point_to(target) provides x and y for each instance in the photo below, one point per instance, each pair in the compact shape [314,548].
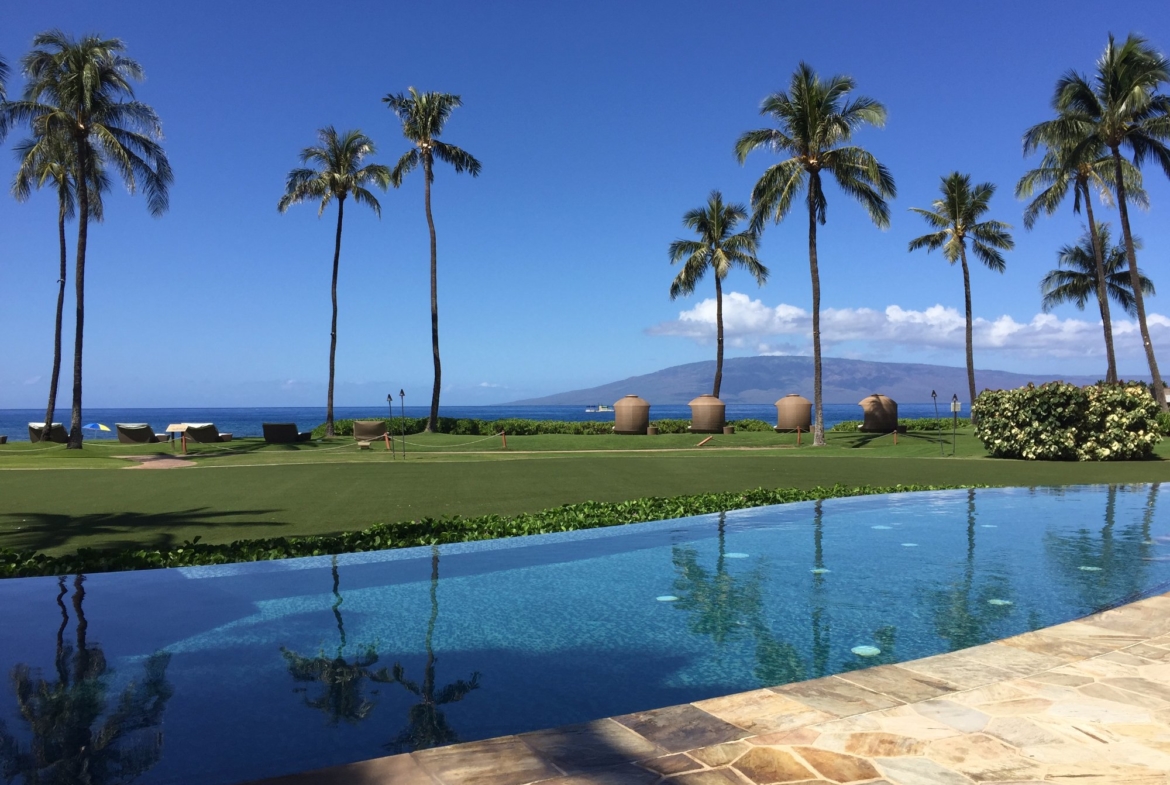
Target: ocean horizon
[248,421]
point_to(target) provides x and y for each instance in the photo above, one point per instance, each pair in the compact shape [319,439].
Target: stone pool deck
[1086,702]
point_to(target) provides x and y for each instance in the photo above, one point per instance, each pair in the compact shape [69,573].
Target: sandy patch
[157,461]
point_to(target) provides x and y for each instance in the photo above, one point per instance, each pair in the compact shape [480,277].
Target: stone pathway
[1086,702]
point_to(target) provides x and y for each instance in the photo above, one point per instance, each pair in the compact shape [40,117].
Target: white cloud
[491,386]
[749,323]
[31,381]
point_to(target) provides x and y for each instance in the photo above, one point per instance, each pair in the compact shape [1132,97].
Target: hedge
[427,531]
[518,427]
[1062,422]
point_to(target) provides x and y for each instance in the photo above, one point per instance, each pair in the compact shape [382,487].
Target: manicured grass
[270,492]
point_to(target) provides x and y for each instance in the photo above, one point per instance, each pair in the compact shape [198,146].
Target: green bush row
[428,531]
[518,427]
[912,424]
[1062,422]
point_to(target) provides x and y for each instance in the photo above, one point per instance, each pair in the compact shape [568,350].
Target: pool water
[221,675]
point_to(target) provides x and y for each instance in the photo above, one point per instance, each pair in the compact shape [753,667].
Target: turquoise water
[232,673]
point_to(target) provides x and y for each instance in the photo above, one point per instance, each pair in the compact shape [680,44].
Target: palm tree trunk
[1102,295]
[75,433]
[333,329]
[433,418]
[718,334]
[814,272]
[1139,300]
[51,408]
[970,348]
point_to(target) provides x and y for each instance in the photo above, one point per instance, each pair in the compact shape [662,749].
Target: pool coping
[1086,701]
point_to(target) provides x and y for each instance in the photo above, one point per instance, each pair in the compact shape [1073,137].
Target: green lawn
[58,501]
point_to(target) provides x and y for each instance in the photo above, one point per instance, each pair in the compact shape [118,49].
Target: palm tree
[955,218]
[719,250]
[50,161]
[337,174]
[1120,106]
[1093,170]
[82,90]
[423,116]
[3,97]
[816,121]
[1076,277]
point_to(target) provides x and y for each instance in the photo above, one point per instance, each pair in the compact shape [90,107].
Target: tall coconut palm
[1075,278]
[423,116]
[719,248]
[82,89]
[1062,168]
[1120,106]
[337,173]
[51,161]
[3,97]
[955,218]
[816,120]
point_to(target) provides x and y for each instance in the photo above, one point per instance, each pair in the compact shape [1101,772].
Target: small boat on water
[601,407]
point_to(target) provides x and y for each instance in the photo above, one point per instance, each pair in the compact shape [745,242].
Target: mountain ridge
[762,380]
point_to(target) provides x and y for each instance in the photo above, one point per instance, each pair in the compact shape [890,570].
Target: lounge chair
[135,433]
[205,433]
[284,433]
[368,430]
[56,432]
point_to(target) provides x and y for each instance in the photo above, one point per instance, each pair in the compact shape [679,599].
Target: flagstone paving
[1086,702]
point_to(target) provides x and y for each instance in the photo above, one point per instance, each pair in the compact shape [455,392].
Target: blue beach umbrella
[95,426]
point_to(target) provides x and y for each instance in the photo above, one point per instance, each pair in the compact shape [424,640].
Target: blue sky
[598,124]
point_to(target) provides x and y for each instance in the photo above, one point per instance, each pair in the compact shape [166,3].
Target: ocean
[248,421]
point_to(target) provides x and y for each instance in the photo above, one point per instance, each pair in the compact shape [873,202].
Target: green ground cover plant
[1062,422]
[518,427]
[424,531]
[911,424]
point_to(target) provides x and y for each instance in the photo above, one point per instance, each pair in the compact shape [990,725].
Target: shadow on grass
[855,441]
[236,447]
[42,531]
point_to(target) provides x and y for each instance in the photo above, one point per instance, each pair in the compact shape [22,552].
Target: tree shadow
[42,531]
[859,440]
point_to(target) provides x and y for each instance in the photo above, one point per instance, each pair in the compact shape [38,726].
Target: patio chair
[368,430]
[284,433]
[205,433]
[135,433]
[56,432]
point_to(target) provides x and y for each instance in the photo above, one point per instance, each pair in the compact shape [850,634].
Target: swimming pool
[227,674]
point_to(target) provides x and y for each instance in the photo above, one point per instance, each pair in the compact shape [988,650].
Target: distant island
[764,379]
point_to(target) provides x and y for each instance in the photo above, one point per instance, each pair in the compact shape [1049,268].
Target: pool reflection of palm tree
[78,737]
[727,608]
[342,697]
[719,604]
[427,725]
[964,612]
[1110,566]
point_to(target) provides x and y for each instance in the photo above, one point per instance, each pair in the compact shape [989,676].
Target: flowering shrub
[1063,422]
[1121,423]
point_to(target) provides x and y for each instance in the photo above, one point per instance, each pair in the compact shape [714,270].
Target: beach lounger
[368,430]
[135,433]
[205,433]
[284,433]
[56,432]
